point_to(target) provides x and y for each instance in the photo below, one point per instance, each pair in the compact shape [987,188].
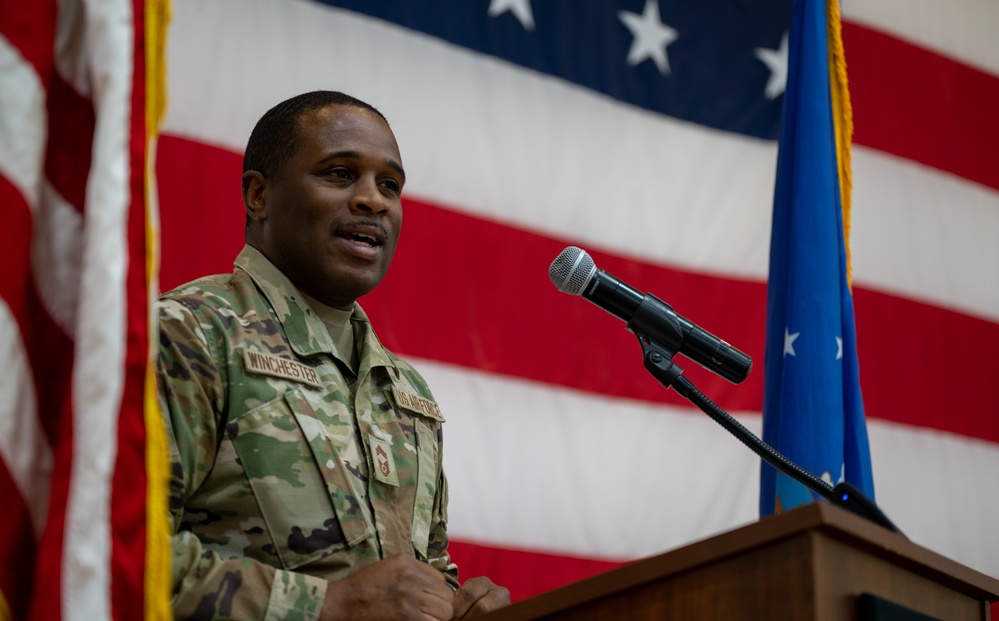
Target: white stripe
[941,490]
[531,465]
[70,45]
[22,124]
[25,450]
[56,253]
[485,137]
[544,468]
[921,233]
[962,29]
[100,346]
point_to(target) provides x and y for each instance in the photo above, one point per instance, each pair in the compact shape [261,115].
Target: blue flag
[812,408]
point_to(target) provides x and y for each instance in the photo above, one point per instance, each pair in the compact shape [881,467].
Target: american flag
[646,133]
[74,320]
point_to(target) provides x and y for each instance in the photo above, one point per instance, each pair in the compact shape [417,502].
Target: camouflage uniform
[287,469]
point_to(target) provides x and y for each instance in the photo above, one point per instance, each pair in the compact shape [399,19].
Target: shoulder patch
[276,366]
[415,403]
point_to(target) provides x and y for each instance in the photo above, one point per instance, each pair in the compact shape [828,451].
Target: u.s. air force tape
[276,366]
[415,403]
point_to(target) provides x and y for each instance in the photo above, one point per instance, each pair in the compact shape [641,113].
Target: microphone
[574,272]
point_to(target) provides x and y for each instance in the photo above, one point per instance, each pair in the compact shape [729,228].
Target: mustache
[370,223]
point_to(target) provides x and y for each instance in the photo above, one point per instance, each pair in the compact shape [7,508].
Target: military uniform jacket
[287,469]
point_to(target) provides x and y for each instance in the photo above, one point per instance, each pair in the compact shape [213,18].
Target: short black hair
[275,137]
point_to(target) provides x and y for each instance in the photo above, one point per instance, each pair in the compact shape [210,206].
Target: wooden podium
[814,562]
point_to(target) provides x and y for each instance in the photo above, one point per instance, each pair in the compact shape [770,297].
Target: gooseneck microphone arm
[573,272]
[769,454]
[658,362]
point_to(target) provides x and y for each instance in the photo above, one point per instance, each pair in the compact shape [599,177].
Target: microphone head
[572,270]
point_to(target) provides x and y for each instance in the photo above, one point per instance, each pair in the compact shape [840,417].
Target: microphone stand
[659,362]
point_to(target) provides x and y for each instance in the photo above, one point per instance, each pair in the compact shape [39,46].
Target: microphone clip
[659,361]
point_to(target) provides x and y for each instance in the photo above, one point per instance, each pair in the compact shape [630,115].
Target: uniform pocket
[426,485]
[298,480]
[420,419]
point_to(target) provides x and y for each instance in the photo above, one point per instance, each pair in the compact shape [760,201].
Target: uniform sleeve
[192,396]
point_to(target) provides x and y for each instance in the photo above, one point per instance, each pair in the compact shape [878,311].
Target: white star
[521,9]
[651,36]
[776,61]
[789,342]
[839,348]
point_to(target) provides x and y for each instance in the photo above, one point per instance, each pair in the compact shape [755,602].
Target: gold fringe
[842,120]
[157,574]
[158,13]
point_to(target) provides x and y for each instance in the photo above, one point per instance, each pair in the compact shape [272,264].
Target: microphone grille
[572,270]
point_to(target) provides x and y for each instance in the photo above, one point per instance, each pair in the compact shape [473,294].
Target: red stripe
[919,105]
[70,143]
[49,349]
[201,209]
[484,309]
[493,291]
[30,28]
[15,240]
[17,545]
[524,573]
[927,366]
[128,485]
[46,603]
[497,278]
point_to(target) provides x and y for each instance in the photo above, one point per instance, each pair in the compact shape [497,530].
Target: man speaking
[306,458]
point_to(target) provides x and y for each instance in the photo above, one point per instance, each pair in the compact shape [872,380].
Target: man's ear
[255,195]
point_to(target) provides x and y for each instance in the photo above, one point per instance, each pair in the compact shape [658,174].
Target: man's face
[330,218]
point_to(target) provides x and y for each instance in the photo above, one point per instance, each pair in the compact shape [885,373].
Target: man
[306,458]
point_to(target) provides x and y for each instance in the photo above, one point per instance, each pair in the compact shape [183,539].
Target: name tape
[276,366]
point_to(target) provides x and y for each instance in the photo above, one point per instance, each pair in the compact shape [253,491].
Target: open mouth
[362,239]
[365,238]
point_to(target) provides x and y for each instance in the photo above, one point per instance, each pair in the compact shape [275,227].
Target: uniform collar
[306,333]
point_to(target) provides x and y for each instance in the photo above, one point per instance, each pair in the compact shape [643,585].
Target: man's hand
[479,596]
[397,588]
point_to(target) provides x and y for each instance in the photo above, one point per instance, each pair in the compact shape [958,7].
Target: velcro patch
[381,454]
[276,366]
[415,403]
